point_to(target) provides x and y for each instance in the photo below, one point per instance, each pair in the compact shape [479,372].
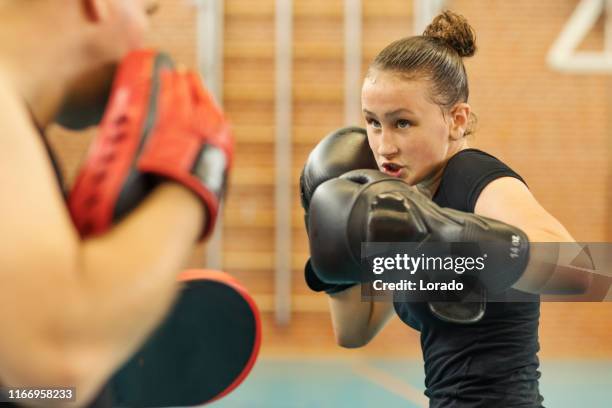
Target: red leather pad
[108,171]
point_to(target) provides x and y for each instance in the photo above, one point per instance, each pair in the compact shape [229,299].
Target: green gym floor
[313,383]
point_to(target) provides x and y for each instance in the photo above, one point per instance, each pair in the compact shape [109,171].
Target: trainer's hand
[160,124]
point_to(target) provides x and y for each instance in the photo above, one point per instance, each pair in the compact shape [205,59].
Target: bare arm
[78,308]
[507,199]
[357,322]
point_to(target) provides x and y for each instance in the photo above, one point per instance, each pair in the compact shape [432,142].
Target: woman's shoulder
[472,156]
[474,162]
[466,174]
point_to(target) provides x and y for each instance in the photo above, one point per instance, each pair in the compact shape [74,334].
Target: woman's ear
[460,116]
[95,10]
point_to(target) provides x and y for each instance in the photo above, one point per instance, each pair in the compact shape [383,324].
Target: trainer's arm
[78,308]
[356,322]
[507,199]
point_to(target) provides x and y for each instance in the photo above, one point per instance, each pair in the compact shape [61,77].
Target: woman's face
[408,133]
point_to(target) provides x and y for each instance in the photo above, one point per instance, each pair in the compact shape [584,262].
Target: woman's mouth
[392,169]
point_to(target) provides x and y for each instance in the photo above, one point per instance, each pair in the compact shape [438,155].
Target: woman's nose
[387,146]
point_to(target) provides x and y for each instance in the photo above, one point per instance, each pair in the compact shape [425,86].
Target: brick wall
[553,128]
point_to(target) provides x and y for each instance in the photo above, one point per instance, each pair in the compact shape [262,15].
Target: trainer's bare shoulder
[33,215]
[36,241]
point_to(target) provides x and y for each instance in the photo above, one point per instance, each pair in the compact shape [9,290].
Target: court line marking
[392,384]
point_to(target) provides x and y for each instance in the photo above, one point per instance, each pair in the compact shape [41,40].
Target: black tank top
[493,362]
[55,163]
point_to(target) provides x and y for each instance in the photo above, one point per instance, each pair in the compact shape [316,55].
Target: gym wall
[553,128]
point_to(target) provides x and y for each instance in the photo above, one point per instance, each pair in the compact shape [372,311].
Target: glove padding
[203,350]
[159,124]
[368,206]
[340,151]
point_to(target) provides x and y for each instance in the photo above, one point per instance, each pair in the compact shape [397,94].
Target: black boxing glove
[368,206]
[341,151]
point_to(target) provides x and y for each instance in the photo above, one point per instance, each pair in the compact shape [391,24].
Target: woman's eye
[374,123]
[403,124]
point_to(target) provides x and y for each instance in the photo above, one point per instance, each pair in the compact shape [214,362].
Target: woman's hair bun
[455,30]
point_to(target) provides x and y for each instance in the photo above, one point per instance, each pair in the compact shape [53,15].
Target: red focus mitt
[159,124]
[204,349]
